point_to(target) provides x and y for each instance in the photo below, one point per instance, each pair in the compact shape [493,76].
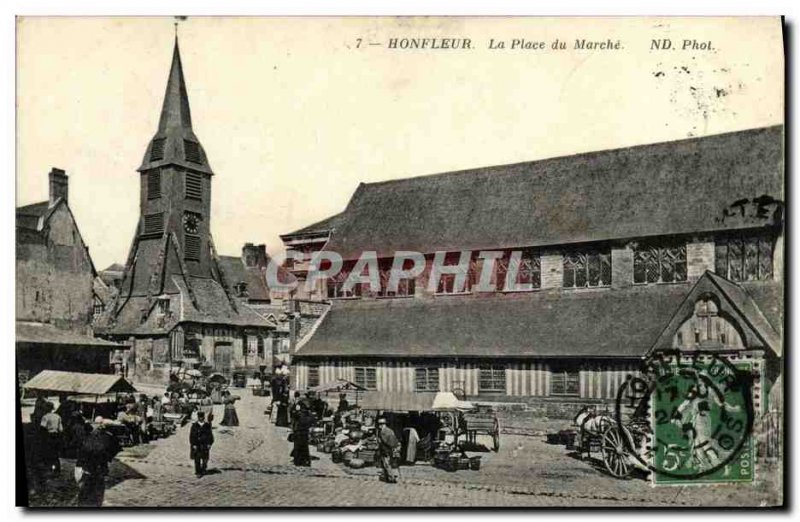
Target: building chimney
[59,185]
[254,255]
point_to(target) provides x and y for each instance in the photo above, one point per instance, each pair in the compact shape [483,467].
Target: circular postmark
[699,408]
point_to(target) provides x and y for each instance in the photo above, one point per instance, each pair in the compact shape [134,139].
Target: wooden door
[222,358]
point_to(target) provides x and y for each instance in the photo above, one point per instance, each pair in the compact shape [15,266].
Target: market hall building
[671,245]
[175,306]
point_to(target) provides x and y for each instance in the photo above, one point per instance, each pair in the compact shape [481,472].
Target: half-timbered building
[621,252]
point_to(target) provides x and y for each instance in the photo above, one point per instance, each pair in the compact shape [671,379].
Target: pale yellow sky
[293,116]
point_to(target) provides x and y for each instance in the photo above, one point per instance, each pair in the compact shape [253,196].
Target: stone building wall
[54,275]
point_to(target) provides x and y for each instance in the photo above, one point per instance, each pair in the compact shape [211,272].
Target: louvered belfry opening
[194,185]
[154,184]
[154,224]
[192,246]
[192,152]
[157,150]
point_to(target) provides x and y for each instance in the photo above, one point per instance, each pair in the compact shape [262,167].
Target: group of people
[63,431]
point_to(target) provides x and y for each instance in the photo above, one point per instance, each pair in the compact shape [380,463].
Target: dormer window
[162,306]
[241,289]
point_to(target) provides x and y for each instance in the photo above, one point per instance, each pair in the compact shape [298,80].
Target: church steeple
[175,142]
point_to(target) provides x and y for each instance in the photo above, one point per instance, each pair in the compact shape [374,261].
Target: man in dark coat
[343,404]
[387,442]
[304,421]
[200,439]
[97,449]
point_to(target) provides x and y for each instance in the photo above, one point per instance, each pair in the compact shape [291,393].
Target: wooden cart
[481,421]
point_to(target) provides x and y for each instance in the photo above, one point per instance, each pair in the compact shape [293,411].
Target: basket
[337,456]
[475,463]
[366,455]
[452,463]
[463,463]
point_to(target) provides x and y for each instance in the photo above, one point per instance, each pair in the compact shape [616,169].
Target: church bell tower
[175,201]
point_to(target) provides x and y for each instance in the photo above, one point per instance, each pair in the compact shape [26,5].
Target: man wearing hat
[387,442]
[91,467]
[200,439]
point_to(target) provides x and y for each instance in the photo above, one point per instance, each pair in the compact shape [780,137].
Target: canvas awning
[336,385]
[74,383]
[420,401]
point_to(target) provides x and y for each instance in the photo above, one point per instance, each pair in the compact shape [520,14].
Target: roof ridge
[576,155]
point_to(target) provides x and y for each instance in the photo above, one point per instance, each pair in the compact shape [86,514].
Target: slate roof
[213,307]
[79,383]
[324,226]
[28,215]
[41,333]
[175,127]
[664,188]
[583,323]
[235,272]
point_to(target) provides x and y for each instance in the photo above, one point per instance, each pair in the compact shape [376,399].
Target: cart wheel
[496,435]
[615,455]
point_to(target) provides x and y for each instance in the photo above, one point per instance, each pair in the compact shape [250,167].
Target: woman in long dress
[230,417]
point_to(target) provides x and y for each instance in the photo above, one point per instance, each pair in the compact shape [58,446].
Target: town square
[596,324]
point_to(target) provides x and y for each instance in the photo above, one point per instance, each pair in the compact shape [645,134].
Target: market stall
[428,424]
[92,394]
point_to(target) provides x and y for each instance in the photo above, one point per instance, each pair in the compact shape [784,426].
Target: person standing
[387,442]
[91,467]
[52,430]
[343,404]
[303,422]
[229,418]
[200,439]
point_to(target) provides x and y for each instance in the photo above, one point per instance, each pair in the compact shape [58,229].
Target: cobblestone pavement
[250,466]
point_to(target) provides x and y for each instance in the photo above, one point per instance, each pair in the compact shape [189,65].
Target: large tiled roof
[665,188]
[590,323]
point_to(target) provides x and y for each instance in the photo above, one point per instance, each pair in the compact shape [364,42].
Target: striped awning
[73,383]
[419,401]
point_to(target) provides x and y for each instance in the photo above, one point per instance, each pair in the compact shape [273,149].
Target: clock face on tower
[191,222]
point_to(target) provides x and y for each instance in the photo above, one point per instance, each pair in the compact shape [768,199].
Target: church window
[528,268]
[587,269]
[154,184]
[192,151]
[744,258]
[154,223]
[659,263]
[157,150]
[336,287]
[192,245]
